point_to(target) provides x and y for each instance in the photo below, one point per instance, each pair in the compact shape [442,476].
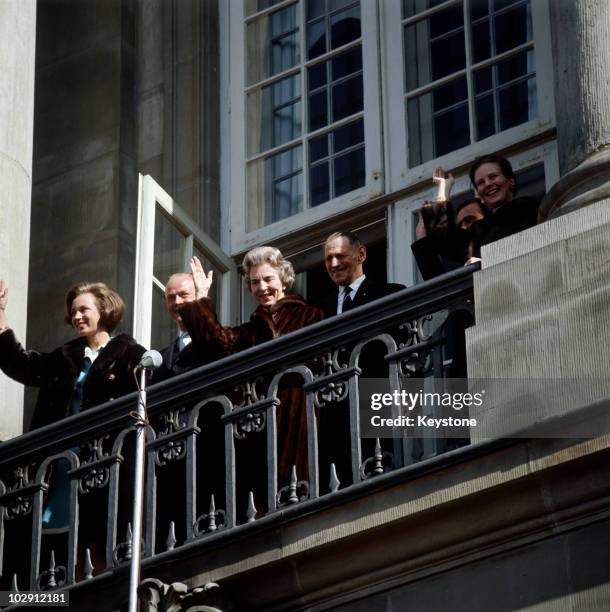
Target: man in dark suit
[181,356]
[344,255]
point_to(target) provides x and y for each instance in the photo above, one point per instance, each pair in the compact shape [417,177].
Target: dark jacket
[110,376]
[436,255]
[177,362]
[514,216]
[367,292]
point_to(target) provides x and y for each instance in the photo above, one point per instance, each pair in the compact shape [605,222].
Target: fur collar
[74,352]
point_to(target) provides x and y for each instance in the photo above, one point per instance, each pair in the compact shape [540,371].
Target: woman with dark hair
[89,370]
[267,276]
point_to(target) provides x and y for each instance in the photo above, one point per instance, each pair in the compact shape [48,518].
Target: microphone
[151,360]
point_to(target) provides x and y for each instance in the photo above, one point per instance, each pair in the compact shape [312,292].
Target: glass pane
[346,63]
[335,5]
[318,110]
[274,115]
[482,80]
[274,188]
[412,7]
[449,94]
[348,98]
[479,9]
[317,76]
[319,184]
[517,103]
[348,136]
[315,8]
[481,42]
[512,28]
[163,329]
[272,44]
[486,120]
[169,248]
[344,27]
[427,58]
[316,38]
[318,148]
[349,171]
[431,133]
[452,130]
[287,198]
[515,67]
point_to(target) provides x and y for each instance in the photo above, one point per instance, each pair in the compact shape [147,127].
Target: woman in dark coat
[267,276]
[89,370]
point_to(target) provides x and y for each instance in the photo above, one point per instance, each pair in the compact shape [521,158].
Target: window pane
[348,136]
[348,98]
[478,9]
[315,8]
[481,42]
[272,44]
[274,188]
[318,110]
[344,27]
[163,329]
[169,248]
[274,115]
[349,171]
[482,80]
[452,130]
[432,133]
[318,148]
[316,38]
[434,47]
[317,76]
[319,184]
[486,121]
[517,104]
[449,95]
[515,67]
[512,28]
[346,64]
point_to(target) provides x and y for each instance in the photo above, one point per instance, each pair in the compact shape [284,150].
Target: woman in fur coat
[89,370]
[267,276]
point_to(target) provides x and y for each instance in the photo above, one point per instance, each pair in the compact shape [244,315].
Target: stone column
[581,59]
[17,51]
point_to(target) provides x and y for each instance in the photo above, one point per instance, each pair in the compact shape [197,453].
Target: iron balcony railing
[214,460]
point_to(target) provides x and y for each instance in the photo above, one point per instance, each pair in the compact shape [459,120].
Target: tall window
[305,136]
[470,72]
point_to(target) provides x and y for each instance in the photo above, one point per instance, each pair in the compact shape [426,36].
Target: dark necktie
[348,303]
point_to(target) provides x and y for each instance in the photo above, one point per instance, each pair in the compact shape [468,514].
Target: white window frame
[399,175]
[152,196]
[235,185]
[401,214]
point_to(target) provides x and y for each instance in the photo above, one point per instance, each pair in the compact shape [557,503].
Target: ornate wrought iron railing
[214,458]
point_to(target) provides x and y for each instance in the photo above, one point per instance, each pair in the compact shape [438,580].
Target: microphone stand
[136,535]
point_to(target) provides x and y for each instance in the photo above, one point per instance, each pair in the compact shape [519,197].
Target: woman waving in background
[89,370]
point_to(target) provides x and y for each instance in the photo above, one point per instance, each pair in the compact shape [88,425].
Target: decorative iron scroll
[18,498]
